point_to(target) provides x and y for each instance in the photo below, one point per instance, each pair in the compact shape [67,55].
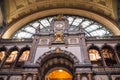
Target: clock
[59,25]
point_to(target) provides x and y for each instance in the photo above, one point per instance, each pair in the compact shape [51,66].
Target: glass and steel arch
[91,28]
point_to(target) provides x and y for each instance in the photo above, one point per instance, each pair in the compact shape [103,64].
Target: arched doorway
[58,74]
[52,64]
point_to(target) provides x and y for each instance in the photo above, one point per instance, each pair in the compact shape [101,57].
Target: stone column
[34,45]
[34,77]
[83,46]
[24,77]
[33,49]
[89,76]
[117,58]
[78,76]
[103,60]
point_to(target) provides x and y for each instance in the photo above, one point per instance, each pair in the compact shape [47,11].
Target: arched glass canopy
[91,28]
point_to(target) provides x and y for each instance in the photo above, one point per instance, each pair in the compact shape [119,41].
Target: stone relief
[15,77]
[73,40]
[101,77]
[44,41]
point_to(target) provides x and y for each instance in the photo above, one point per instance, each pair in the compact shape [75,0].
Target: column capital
[34,74]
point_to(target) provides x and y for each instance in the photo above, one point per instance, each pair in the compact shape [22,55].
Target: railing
[106,69]
[29,40]
[18,71]
[104,38]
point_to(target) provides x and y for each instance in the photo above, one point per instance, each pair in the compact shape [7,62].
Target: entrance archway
[51,63]
[58,74]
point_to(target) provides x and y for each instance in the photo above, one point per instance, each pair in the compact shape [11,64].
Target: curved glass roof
[91,28]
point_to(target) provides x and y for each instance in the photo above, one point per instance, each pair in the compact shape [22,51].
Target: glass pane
[45,22]
[70,19]
[29,29]
[85,24]
[35,25]
[77,21]
[91,27]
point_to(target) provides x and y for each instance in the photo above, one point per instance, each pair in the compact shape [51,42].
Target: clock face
[59,25]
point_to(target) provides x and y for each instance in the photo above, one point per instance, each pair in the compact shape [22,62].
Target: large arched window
[109,55]
[91,28]
[24,56]
[12,56]
[94,56]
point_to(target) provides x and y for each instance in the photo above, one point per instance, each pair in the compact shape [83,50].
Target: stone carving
[44,41]
[73,40]
[58,37]
[101,77]
[15,77]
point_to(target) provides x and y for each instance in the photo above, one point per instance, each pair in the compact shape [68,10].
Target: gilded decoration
[58,37]
[19,8]
[57,50]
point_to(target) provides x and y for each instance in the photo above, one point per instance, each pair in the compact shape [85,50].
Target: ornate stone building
[59,40]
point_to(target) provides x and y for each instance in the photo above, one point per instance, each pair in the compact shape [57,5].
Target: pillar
[24,77]
[89,76]
[117,58]
[83,46]
[78,76]
[34,77]
[103,60]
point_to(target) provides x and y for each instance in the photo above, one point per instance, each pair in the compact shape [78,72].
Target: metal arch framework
[111,25]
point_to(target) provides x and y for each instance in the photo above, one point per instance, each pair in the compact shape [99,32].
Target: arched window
[84,78]
[29,77]
[2,52]
[12,56]
[109,55]
[2,55]
[24,56]
[94,56]
[117,78]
